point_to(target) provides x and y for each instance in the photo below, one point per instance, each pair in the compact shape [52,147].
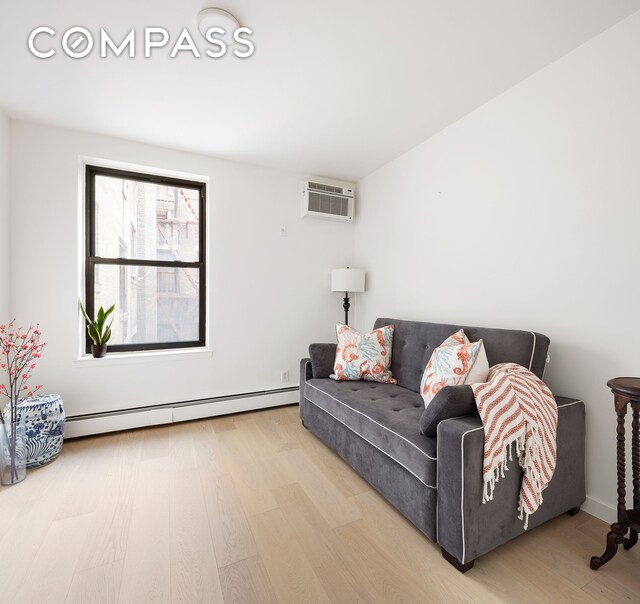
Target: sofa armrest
[305,374]
[323,357]
[460,452]
[467,528]
[450,401]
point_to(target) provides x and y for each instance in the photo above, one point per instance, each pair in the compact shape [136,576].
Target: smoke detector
[217,17]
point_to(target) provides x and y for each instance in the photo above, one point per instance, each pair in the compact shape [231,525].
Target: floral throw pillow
[364,356]
[450,364]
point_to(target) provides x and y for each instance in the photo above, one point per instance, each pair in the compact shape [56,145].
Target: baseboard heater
[168,413]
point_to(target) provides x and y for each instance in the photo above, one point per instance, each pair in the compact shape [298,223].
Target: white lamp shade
[347,280]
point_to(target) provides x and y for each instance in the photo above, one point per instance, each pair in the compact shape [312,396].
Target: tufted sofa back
[414,341]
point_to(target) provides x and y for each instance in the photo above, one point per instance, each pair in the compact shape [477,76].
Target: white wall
[4,219]
[269,294]
[526,214]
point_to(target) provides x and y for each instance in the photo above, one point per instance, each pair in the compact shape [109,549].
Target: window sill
[127,358]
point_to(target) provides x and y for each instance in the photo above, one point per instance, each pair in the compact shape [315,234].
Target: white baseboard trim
[275,399]
[113,423]
[180,412]
[600,510]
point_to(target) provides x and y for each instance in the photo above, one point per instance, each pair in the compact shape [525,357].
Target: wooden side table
[626,393]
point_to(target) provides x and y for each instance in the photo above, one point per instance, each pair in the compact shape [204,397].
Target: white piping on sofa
[366,439]
[373,420]
[533,349]
[374,445]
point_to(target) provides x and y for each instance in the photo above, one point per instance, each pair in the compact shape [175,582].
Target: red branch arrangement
[18,352]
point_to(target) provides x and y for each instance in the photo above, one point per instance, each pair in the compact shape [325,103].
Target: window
[145,253]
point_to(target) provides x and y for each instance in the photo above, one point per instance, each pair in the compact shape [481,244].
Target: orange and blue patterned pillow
[364,356]
[451,364]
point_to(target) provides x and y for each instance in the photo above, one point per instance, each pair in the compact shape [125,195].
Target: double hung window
[145,253]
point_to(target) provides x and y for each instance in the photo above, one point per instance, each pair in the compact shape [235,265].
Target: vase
[44,419]
[98,351]
[13,453]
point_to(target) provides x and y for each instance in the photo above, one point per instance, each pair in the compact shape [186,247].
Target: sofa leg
[463,568]
[305,425]
[573,511]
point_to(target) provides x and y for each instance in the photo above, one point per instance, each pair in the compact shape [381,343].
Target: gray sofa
[436,481]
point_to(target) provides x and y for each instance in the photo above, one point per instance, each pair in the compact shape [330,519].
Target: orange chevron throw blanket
[517,407]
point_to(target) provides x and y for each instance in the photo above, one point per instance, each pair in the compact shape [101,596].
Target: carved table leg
[614,539]
[635,459]
[618,529]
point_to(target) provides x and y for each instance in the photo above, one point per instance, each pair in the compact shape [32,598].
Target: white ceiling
[335,87]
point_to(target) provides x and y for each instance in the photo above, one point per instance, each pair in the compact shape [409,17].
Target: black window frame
[91,260]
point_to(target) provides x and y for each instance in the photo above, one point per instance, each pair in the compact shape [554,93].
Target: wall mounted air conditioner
[323,200]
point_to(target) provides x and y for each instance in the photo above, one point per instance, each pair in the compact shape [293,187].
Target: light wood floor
[253,508]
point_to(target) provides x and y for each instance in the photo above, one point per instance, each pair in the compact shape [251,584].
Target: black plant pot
[98,351]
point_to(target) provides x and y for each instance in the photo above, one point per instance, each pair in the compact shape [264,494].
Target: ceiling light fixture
[217,17]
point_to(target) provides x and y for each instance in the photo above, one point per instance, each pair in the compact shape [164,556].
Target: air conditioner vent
[328,204]
[317,186]
[322,200]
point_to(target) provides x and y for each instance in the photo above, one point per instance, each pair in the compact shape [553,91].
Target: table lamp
[347,280]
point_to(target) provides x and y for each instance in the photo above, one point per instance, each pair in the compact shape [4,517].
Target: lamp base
[346,307]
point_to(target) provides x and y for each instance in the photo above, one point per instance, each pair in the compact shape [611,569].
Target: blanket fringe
[498,473]
[503,465]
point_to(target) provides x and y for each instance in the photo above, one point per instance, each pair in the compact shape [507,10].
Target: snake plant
[98,330]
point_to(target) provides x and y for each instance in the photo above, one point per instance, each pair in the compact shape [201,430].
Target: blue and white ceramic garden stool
[44,427]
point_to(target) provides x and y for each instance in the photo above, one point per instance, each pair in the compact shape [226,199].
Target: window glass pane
[146,221]
[153,304]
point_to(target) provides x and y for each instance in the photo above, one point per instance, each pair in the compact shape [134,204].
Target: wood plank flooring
[253,508]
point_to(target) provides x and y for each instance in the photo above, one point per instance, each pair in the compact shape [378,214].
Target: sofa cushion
[322,358]
[363,355]
[480,369]
[415,341]
[449,365]
[451,401]
[385,415]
